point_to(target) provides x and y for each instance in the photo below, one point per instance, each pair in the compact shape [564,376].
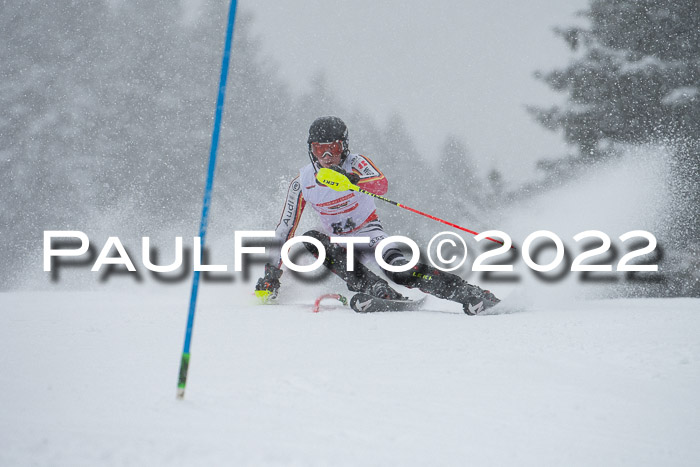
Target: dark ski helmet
[327,129]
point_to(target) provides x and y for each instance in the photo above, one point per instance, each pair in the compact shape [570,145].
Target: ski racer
[350,213]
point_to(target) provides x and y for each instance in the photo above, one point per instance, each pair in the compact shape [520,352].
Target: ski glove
[353,177]
[268,286]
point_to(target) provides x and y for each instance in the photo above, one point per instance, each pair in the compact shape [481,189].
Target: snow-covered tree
[635,79]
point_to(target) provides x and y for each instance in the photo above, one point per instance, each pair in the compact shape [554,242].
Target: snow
[89,379]
[546,378]
[680,96]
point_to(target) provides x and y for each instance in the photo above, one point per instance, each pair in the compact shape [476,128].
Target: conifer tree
[635,79]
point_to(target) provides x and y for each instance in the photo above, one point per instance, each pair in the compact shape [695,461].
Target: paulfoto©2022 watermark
[447,251]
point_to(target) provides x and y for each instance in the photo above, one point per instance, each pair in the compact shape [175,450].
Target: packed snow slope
[555,375]
[88,378]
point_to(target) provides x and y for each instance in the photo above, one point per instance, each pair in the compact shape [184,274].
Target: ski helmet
[326,130]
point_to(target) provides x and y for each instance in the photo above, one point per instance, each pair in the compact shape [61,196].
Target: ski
[363,303]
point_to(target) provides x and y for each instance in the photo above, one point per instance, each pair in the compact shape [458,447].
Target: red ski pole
[339,182]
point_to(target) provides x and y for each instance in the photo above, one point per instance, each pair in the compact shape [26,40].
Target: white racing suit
[349,213]
[344,213]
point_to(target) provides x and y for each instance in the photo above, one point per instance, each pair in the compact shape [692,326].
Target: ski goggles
[334,148]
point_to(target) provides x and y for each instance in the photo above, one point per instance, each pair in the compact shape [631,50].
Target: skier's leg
[362,279]
[428,279]
[444,285]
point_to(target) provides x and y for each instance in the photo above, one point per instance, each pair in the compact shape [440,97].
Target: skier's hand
[268,286]
[353,177]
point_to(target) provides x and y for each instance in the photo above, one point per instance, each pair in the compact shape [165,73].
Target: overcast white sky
[447,66]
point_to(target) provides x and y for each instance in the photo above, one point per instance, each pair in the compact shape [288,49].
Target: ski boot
[446,286]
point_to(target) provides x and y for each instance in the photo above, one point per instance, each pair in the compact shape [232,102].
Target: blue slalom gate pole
[185,361]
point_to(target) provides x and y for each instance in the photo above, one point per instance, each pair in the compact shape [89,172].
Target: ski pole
[317,303]
[185,360]
[339,182]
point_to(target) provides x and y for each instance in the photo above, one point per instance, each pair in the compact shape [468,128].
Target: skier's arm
[371,178]
[268,286]
[289,220]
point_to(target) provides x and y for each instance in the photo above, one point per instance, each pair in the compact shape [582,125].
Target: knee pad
[334,251]
[323,238]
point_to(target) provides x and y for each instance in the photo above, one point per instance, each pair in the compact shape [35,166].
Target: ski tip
[360,303]
[473,309]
